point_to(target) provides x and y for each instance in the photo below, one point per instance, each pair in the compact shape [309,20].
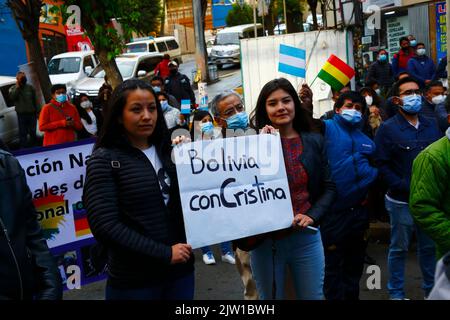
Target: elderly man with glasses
[229,112]
[398,141]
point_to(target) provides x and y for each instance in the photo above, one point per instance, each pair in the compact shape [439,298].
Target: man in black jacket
[178,85]
[27,269]
[381,72]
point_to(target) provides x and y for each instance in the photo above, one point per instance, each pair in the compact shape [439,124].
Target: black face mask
[23,80]
[173,71]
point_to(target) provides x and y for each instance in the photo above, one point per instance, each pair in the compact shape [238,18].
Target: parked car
[69,67]
[163,45]
[226,48]
[131,65]
[9,128]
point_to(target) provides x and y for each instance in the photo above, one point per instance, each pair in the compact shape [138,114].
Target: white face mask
[86,104]
[378,91]
[438,99]
[421,52]
[369,100]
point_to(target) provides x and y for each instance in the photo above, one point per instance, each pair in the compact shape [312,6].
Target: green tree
[26,13]
[96,17]
[239,15]
[294,14]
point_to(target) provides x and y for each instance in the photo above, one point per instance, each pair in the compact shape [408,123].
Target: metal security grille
[419,24]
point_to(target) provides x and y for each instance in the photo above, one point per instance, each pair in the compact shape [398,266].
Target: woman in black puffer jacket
[133,204]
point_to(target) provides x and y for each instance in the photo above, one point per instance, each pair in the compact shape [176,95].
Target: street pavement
[222,282]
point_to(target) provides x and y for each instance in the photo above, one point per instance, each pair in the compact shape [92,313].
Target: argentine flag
[292,61]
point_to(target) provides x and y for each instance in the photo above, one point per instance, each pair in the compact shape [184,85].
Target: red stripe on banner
[342,66]
[81,224]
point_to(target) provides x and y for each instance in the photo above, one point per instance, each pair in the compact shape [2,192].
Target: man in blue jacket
[433,104]
[343,230]
[399,140]
[421,67]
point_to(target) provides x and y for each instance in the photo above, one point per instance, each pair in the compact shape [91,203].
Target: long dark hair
[81,111]
[198,116]
[113,132]
[259,117]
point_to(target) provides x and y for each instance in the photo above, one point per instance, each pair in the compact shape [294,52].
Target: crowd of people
[382,150]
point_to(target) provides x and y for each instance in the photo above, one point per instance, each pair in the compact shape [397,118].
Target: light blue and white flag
[292,61]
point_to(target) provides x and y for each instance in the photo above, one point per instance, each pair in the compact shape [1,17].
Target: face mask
[369,100]
[238,121]
[23,81]
[156,89]
[421,52]
[164,105]
[438,99]
[378,91]
[412,104]
[61,98]
[207,127]
[86,104]
[413,43]
[382,57]
[173,71]
[351,116]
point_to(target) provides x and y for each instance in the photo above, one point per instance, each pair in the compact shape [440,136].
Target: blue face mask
[156,89]
[412,104]
[61,98]
[382,57]
[413,43]
[352,116]
[164,105]
[238,121]
[207,128]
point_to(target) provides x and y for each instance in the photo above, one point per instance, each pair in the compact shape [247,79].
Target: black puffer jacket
[382,73]
[127,214]
[27,269]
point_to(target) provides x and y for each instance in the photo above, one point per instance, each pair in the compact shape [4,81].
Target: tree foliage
[139,16]
[239,15]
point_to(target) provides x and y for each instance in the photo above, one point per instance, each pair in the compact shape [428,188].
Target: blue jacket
[398,143]
[348,152]
[421,68]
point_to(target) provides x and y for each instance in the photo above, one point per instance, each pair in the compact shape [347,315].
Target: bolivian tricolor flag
[336,73]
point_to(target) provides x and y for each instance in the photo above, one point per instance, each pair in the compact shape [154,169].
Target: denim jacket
[397,145]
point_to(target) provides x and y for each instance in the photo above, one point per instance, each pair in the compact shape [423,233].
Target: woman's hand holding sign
[269,130]
[181,253]
[302,221]
[179,140]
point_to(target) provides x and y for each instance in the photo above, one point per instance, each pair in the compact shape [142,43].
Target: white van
[9,127]
[163,45]
[71,66]
[226,48]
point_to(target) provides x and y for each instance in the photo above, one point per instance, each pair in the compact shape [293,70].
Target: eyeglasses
[411,92]
[232,111]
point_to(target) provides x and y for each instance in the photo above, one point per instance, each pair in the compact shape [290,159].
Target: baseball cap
[173,63]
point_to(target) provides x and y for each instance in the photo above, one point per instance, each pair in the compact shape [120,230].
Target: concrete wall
[260,58]
[185,37]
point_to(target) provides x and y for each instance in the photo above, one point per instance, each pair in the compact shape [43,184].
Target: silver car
[131,65]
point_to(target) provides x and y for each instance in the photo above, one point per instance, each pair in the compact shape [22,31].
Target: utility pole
[285,19]
[447,17]
[254,17]
[200,48]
